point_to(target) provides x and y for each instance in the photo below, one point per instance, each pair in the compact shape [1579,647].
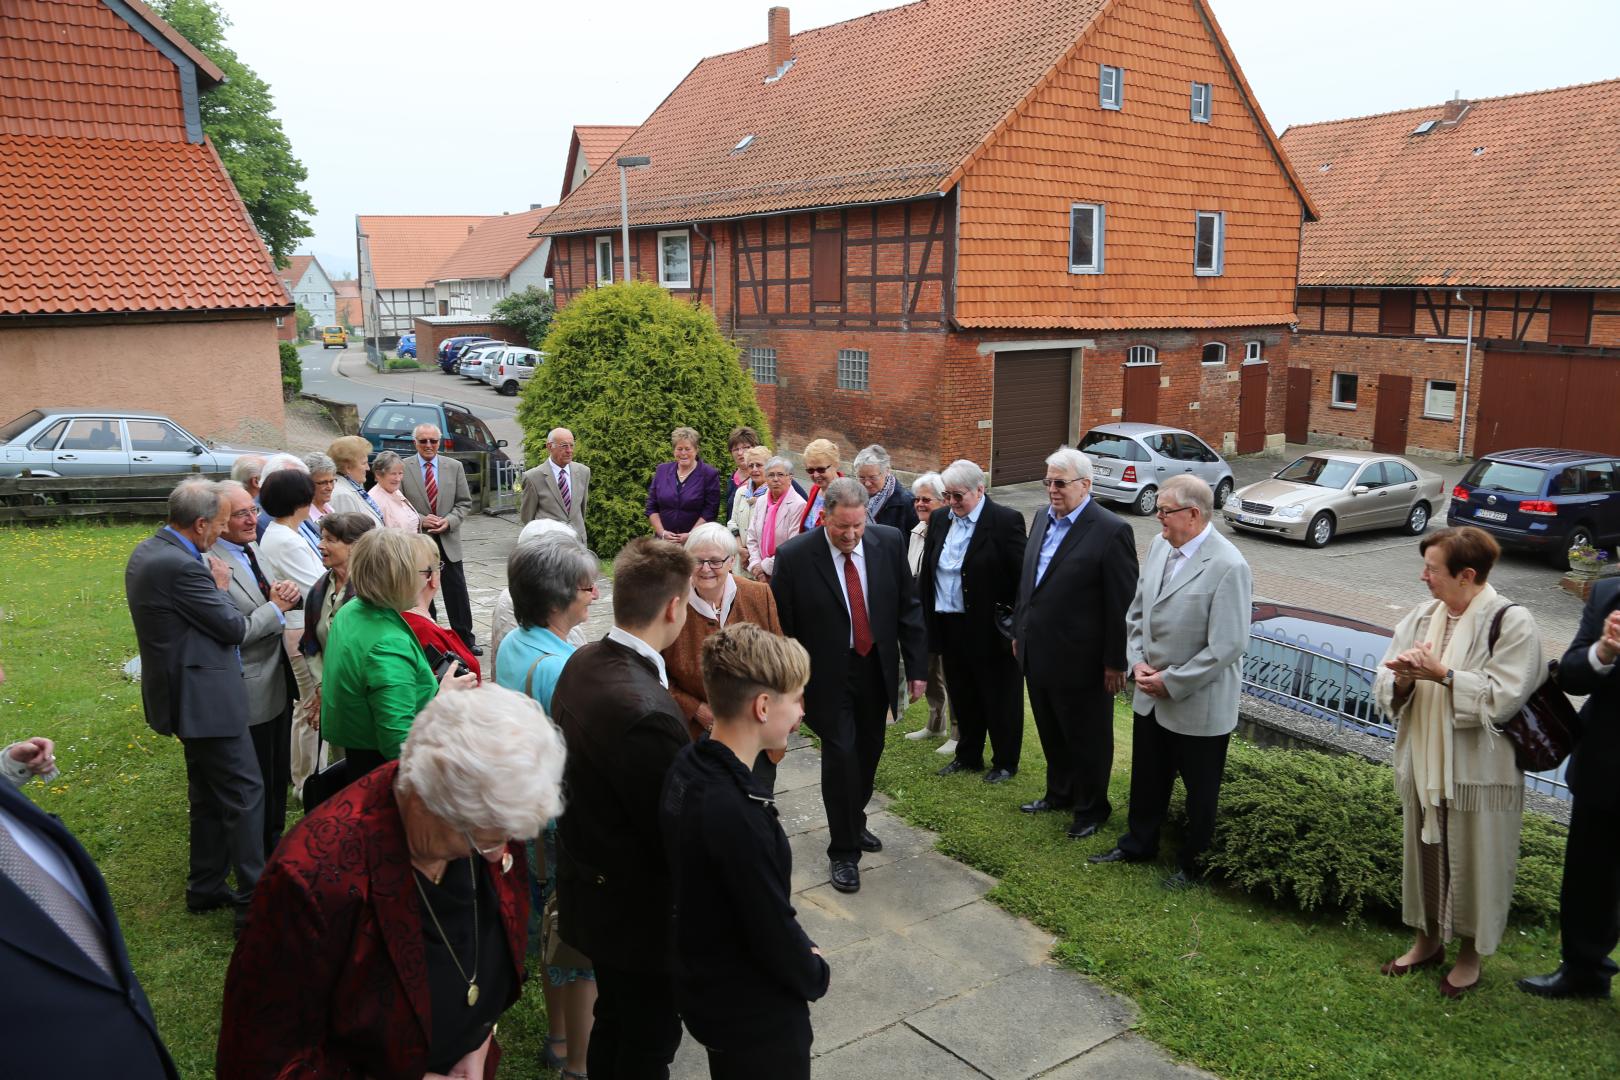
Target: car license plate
[1102,470]
[1250,519]
[1490,515]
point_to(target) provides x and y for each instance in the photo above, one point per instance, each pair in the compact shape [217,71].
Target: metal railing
[1337,690]
[501,485]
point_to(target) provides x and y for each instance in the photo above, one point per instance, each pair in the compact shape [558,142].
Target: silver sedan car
[1327,492]
[1130,460]
[108,442]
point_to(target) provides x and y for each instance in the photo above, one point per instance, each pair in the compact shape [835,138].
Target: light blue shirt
[519,651]
[240,553]
[51,859]
[1056,529]
[185,542]
[429,466]
[948,574]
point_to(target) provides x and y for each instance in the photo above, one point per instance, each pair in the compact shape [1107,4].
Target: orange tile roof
[495,247]
[598,141]
[106,226]
[297,267]
[346,287]
[406,249]
[1523,192]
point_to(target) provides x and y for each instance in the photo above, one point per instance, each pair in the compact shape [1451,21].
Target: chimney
[779,55]
[1456,109]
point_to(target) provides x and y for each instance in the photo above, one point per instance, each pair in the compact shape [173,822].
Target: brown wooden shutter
[1397,311]
[1571,316]
[826,266]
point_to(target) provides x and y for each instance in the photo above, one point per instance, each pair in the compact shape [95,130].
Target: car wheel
[1147,501]
[509,388]
[1417,520]
[1223,491]
[1321,530]
[1559,555]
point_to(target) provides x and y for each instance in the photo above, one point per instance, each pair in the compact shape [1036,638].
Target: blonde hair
[743,661]
[821,452]
[761,454]
[686,435]
[382,568]
[349,451]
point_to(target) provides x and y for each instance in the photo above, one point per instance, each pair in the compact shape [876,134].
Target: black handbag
[324,783]
[1544,731]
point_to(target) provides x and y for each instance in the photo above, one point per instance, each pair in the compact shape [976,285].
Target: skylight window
[742,144]
[1425,127]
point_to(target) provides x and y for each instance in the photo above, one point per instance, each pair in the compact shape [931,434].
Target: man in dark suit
[1589,906]
[624,730]
[191,687]
[969,574]
[436,487]
[1069,635]
[845,592]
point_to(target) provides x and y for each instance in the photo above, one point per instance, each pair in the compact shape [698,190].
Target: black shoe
[846,876]
[476,650]
[999,776]
[1115,855]
[204,904]
[1041,806]
[1564,984]
[1082,829]
[1180,881]
[870,842]
[957,766]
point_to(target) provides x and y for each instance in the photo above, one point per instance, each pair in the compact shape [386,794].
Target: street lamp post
[625,165]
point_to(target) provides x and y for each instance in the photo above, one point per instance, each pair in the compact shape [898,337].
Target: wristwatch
[1450,675]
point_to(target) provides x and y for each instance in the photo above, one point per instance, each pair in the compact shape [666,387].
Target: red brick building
[966,228]
[1460,292]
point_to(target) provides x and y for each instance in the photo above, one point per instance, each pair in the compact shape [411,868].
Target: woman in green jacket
[375,677]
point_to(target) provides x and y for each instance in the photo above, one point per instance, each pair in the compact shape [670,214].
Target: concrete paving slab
[830,930]
[800,768]
[1125,1057]
[877,982]
[1025,1024]
[981,937]
[906,892]
[897,1053]
[801,810]
[810,867]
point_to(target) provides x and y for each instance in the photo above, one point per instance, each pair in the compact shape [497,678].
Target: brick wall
[1369,358]
[429,336]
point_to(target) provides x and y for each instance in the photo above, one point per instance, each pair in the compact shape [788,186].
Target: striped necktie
[567,496]
[51,896]
[432,485]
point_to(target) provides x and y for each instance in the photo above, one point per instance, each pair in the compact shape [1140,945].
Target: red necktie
[857,607]
[432,487]
[562,486]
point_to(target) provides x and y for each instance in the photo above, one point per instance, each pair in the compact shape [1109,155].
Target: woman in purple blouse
[685,492]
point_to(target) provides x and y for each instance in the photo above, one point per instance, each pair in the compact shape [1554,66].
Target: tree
[305,320]
[236,116]
[530,310]
[625,365]
[292,371]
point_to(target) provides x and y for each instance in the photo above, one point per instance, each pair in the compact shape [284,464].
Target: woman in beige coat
[1462,794]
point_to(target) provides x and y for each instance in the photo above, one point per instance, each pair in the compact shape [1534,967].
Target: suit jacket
[623,731]
[188,631]
[542,498]
[455,498]
[1194,632]
[330,978]
[1072,625]
[900,512]
[810,602]
[1594,768]
[990,569]
[72,1018]
[266,671]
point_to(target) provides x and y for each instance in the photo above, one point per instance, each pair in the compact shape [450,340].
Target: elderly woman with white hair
[397,511]
[889,503]
[775,520]
[928,495]
[387,935]
[501,619]
[322,470]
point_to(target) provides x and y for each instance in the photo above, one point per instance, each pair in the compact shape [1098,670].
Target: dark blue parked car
[451,349]
[407,346]
[1540,499]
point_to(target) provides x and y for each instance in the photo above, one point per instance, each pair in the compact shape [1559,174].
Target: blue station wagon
[1541,499]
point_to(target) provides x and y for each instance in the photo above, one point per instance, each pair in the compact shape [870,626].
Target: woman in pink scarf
[775,520]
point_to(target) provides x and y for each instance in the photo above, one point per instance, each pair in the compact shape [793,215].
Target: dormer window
[1110,87]
[1200,102]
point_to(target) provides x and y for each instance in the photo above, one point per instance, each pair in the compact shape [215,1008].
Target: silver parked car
[1333,491]
[513,369]
[108,442]
[1130,461]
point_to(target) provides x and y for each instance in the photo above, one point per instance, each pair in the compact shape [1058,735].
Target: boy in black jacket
[745,971]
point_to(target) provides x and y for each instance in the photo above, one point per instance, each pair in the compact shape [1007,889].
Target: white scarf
[701,606]
[1431,717]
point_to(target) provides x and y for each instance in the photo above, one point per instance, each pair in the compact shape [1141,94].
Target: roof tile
[406,249]
[494,248]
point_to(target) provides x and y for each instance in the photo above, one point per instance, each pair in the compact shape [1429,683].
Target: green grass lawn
[1236,985]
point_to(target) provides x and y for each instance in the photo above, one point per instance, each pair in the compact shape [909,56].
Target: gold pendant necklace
[472,983]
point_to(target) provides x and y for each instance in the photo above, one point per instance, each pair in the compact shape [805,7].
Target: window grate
[762,362]
[853,368]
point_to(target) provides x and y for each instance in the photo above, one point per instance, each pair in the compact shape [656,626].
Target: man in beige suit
[557,487]
[1185,634]
[437,487]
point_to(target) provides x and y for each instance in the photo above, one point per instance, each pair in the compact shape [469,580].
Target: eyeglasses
[430,571]
[588,587]
[244,514]
[427,442]
[714,564]
[1163,513]
[1048,482]
[817,470]
[953,496]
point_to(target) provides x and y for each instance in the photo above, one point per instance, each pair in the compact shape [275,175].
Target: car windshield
[1319,471]
[1505,476]
[395,418]
[1106,444]
[20,425]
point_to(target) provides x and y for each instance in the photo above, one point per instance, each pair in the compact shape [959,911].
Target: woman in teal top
[552,579]
[375,677]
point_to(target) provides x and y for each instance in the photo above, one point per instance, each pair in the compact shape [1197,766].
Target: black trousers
[1589,905]
[272,745]
[759,1062]
[457,606]
[851,744]
[1158,756]
[637,1028]
[1076,727]
[225,803]
[986,692]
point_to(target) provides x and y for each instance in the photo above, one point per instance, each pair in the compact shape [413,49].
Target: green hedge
[292,371]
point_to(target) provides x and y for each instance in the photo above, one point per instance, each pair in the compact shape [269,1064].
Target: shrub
[292,371]
[402,363]
[530,310]
[627,364]
[305,321]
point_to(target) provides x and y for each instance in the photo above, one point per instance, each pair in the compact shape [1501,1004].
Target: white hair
[779,460]
[542,526]
[1190,490]
[277,462]
[712,534]
[873,455]
[932,481]
[1071,460]
[247,467]
[963,473]
[486,759]
[317,462]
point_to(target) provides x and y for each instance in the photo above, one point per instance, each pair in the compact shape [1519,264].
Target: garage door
[1030,414]
[1549,399]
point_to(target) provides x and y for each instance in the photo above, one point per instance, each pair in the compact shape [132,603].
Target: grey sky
[423,106]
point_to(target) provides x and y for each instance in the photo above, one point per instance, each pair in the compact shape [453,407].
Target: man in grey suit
[437,487]
[1187,629]
[557,487]
[266,670]
[191,687]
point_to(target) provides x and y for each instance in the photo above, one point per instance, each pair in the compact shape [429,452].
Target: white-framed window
[1110,86]
[853,368]
[1214,353]
[1251,353]
[1086,222]
[604,260]
[675,259]
[1200,102]
[1141,354]
[762,362]
[1209,243]
[280,322]
[1344,390]
[1440,399]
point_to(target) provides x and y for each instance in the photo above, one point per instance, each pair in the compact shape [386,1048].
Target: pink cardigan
[788,516]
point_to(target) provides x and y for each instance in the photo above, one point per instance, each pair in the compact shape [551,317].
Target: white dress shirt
[630,641]
[859,556]
[1186,552]
[560,473]
[50,858]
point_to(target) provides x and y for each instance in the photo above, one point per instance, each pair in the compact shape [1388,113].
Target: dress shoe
[1396,968]
[999,776]
[1079,830]
[476,650]
[1180,881]
[924,733]
[1113,855]
[846,876]
[958,765]
[199,905]
[1453,992]
[870,842]
[1564,984]
[948,748]
[1041,806]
